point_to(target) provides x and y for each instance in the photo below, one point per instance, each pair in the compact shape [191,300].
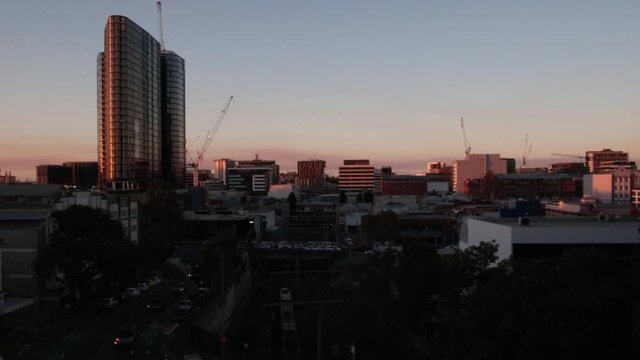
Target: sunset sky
[338,79]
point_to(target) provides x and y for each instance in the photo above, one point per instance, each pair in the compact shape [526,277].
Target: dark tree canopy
[86,245]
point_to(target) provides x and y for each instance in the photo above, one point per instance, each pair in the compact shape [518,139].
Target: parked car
[108,303]
[156,280]
[285,294]
[154,305]
[132,291]
[143,286]
[126,336]
[185,305]
[180,288]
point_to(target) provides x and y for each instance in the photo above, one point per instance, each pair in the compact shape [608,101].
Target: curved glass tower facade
[129,86]
[173,118]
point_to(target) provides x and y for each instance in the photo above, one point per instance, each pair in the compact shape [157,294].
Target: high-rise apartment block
[172,117]
[356,175]
[596,159]
[140,109]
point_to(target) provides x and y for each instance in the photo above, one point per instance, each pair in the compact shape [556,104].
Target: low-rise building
[544,237]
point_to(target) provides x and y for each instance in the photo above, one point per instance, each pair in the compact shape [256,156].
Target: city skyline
[336,81]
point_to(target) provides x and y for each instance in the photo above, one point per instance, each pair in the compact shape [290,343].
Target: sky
[386,80]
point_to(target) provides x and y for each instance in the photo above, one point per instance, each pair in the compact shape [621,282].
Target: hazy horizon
[382,80]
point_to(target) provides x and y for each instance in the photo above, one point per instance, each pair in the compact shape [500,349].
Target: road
[93,339]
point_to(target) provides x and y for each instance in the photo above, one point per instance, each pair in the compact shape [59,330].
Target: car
[152,281]
[122,297]
[126,336]
[285,294]
[154,305]
[184,304]
[180,288]
[108,302]
[202,291]
[132,291]
[143,286]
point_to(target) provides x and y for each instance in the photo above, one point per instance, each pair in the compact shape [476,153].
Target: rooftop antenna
[160,23]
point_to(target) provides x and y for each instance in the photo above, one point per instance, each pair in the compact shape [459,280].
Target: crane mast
[527,150]
[160,24]
[467,147]
[195,163]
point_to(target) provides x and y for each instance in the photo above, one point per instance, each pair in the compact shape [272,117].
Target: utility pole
[319,354]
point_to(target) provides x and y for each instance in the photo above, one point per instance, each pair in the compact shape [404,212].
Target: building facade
[220,169]
[174,164]
[141,109]
[274,169]
[84,174]
[476,166]
[311,173]
[595,158]
[128,106]
[253,180]
[356,176]
[614,187]
[53,174]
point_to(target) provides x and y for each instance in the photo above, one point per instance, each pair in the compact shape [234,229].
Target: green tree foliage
[85,245]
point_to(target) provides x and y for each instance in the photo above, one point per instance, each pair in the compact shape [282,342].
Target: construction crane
[160,23]
[527,151]
[467,147]
[195,163]
[586,159]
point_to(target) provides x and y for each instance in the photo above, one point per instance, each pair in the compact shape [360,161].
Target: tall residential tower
[140,109]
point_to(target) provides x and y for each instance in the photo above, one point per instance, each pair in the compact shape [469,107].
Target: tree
[292,200]
[368,196]
[343,197]
[85,245]
[160,218]
[381,227]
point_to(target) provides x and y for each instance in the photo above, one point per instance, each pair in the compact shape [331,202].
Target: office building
[53,174]
[476,166]
[274,169]
[614,187]
[220,169]
[311,173]
[356,176]
[595,158]
[544,237]
[253,180]
[84,174]
[141,96]
[81,175]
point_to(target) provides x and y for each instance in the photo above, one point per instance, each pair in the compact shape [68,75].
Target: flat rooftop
[550,222]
